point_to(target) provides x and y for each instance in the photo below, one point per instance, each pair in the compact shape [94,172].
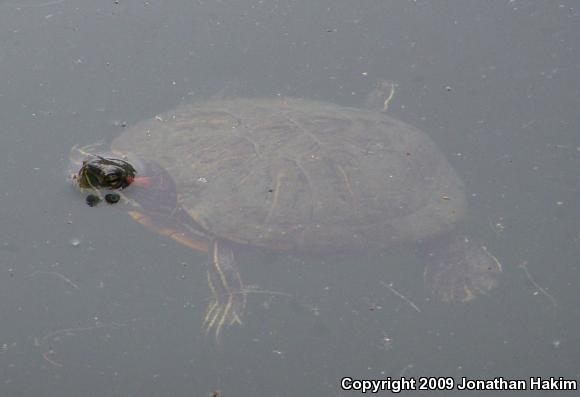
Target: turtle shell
[291,173]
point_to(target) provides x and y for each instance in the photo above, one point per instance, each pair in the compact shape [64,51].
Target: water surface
[92,304]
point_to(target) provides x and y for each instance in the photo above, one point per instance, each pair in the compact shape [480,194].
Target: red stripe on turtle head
[143,181]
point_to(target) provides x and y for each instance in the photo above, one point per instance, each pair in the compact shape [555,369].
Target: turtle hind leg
[228,294]
[461,271]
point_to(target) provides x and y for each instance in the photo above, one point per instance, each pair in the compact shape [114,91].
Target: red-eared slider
[292,174]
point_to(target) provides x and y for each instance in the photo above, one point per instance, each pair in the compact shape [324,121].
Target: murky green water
[93,304]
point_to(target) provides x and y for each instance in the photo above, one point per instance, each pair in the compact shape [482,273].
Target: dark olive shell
[300,174]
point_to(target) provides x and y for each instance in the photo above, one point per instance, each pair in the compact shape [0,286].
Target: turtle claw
[223,310]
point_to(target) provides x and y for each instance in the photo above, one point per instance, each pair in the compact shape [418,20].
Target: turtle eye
[113,180]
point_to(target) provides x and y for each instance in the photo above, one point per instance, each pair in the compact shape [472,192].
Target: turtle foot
[224,310]
[228,293]
[462,270]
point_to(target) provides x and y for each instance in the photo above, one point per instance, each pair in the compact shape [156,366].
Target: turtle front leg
[228,294]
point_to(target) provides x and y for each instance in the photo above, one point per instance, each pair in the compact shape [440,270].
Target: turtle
[288,173]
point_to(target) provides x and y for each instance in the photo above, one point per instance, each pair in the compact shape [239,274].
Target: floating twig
[40,341]
[32,5]
[45,355]
[403,297]
[57,274]
[252,289]
[524,266]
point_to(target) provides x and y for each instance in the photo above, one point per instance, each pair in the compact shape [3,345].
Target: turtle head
[98,172]
[102,173]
